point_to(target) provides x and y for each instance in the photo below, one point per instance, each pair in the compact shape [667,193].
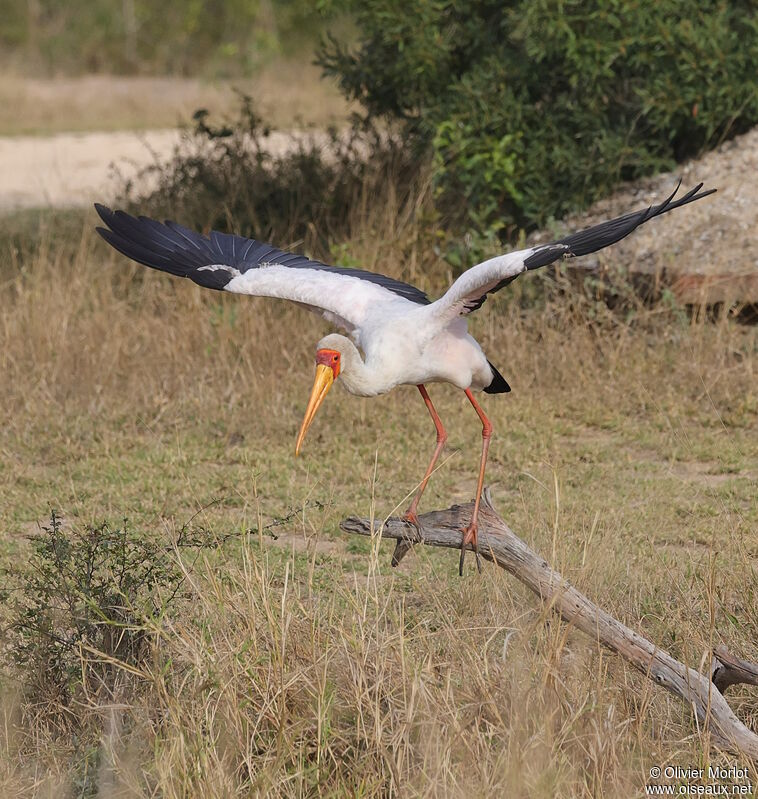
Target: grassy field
[303,665]
[286,94]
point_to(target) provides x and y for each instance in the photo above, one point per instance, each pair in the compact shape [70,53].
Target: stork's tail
[498,384]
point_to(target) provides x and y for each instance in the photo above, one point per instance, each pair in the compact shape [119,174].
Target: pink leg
[410,515]
[469,534]
[441,439]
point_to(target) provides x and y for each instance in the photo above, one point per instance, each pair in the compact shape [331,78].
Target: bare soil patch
[706,253]
[75,169]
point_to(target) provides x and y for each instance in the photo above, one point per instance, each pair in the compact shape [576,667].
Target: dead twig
[498,543]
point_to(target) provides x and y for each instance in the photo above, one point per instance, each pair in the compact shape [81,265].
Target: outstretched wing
[470,290]
[246,266]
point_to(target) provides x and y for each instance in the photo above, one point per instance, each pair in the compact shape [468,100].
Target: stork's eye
[336,358]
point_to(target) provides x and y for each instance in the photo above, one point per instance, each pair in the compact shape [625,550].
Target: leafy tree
[531,108]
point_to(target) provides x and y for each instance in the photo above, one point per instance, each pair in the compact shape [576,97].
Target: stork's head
[329,356]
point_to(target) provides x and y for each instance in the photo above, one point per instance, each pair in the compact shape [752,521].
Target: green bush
[78,611]
[532,108]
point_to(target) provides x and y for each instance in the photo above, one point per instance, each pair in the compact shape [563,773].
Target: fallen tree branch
[498,543]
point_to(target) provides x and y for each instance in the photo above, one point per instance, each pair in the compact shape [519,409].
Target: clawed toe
[470,537]
[404,545]
[411,517]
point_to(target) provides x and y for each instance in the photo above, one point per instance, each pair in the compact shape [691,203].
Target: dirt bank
[708,251]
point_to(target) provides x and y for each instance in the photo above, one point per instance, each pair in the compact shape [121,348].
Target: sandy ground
[74,169]
[71,170]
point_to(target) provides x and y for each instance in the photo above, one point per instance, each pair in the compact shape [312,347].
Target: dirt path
[74,169]
[71,170]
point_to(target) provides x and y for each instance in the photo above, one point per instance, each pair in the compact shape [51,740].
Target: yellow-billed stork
[397,336]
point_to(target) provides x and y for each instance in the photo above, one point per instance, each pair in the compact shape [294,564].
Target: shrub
[306,188]
[79,608]
[534,108]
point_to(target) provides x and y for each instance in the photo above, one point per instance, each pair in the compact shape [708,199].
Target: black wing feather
[606,233]
[173,248]
[602,235]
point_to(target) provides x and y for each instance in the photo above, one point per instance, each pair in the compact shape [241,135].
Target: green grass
[626,455]
[184,460]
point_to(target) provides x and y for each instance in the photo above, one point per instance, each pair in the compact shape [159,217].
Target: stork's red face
[327,371]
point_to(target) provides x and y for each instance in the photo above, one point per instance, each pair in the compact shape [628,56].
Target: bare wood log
[498,543]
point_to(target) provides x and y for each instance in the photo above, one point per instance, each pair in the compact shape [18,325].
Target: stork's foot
[411,517]
[404,545]
[469,537]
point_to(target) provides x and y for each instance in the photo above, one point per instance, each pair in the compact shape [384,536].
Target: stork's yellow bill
[327,371]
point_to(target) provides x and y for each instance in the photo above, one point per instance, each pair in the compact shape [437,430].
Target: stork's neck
[356,376]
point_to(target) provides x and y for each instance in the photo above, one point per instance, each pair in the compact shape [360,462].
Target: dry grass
[305,666]
[287,94]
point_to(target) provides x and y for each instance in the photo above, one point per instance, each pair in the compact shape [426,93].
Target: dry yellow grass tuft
[287,94]
[305,666]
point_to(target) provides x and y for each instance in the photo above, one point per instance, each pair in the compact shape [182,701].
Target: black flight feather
[170,247]
[606,233]
[601,235]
